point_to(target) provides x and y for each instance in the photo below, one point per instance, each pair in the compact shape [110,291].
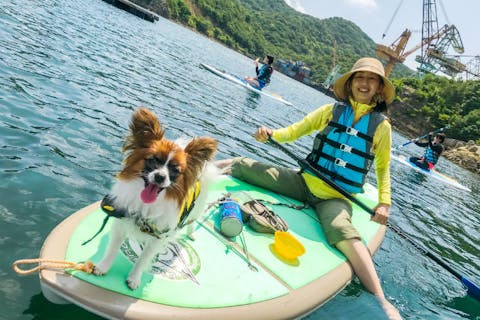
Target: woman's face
[365,85]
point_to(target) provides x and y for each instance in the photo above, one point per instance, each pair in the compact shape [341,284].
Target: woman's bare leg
[362,264]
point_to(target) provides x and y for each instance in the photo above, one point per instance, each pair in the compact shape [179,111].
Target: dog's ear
[201,149]
[144,129]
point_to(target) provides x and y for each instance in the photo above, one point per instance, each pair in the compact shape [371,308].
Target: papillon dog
[152,196]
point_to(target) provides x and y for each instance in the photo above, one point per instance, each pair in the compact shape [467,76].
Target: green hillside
[261,27]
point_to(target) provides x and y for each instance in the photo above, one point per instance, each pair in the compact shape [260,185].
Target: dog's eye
[152,163]
[174,169]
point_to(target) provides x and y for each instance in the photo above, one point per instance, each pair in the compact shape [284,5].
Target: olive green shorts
[335,215]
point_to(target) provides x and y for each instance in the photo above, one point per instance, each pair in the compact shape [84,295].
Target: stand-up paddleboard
[211,277]
[430,173]
[244,83]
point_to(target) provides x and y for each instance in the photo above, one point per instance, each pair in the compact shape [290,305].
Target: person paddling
[434,149]
[264,73]
[352,135]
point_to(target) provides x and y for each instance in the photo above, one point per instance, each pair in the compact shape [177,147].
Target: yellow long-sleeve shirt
[317,121]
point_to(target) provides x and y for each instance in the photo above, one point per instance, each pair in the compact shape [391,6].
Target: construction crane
[334,73]
[395,53]
[434,44]
[433,56]
[472,66]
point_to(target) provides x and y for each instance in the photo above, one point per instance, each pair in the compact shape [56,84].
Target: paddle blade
[472,289]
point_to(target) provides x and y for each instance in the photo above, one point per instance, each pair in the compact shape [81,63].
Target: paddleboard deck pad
[244,83]
[430,173]
[211,277]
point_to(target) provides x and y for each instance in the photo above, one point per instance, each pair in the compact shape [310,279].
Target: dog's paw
[133,283]
[98,271]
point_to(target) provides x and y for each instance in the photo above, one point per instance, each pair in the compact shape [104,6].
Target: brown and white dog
[153,189]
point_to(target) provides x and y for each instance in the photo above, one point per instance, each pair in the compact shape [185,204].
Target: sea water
[72,72]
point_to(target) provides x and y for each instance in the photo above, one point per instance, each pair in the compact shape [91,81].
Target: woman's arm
[314,121]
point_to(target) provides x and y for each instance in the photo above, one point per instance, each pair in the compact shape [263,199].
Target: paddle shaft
[473,289]
[424,136]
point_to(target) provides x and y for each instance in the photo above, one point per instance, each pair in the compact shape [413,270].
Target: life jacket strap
[331,174]
[342,163]
[351,131]
[349,149]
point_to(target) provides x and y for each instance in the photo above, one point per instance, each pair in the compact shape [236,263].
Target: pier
[134,9]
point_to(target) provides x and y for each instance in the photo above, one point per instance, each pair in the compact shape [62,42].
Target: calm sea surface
[72,72]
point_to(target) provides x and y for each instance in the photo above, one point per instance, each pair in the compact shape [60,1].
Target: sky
[374,17]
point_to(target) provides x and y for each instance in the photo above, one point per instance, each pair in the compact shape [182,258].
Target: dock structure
[134,9]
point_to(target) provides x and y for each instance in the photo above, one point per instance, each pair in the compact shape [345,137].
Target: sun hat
[365,64]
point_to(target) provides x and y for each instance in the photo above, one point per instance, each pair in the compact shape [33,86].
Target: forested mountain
[259,27]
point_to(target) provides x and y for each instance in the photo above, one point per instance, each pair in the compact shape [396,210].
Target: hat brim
[339,86]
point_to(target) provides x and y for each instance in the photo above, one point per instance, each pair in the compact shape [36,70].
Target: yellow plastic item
[287,246]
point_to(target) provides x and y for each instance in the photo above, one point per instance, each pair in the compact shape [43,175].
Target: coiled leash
[43,264]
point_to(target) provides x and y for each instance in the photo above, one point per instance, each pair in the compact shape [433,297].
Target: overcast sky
[374,17]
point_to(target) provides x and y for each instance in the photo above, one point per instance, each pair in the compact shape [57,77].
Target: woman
[352,134]
[433,150]
[263,74]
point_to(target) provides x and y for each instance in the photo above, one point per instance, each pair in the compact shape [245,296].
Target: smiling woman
[347,133]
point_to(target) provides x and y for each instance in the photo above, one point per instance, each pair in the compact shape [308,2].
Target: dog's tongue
[149,194]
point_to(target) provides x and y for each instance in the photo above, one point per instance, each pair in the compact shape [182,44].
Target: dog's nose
[159,178]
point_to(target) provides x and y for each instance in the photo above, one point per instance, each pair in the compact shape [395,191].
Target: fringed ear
[144,129]
[200,150]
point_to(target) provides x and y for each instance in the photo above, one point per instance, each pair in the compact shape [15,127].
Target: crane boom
[396,53]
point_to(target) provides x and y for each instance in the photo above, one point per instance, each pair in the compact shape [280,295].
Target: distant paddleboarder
[264,73]
[434,149]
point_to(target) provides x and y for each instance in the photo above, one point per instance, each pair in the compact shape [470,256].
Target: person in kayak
[264,73]
[352,134]
[434,149]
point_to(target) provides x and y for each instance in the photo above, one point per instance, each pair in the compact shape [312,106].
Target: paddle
[472,289]
[422,137]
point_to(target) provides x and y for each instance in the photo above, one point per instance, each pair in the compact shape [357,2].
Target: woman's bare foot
[390,310]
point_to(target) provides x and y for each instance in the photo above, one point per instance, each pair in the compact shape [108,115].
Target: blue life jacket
[264,73]
[431,155]
[343,150]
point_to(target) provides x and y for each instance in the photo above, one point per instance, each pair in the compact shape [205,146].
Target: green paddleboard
[211,277]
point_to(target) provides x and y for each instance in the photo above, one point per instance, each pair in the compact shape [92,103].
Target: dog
[152,190]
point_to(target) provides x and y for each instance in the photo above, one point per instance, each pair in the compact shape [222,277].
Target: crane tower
[434,45]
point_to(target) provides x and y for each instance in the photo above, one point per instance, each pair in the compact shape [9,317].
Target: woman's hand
[382,212]
[262,134]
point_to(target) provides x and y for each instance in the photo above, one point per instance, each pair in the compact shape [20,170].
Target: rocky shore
[465,154]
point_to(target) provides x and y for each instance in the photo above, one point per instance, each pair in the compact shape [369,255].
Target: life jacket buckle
[339,162]
[351,131]
[346,148]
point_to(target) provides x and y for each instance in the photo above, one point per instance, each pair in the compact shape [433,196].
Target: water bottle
[231,223]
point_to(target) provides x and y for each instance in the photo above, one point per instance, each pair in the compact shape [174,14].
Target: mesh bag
[260,218]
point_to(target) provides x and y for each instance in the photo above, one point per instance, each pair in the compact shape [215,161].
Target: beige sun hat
[365,64]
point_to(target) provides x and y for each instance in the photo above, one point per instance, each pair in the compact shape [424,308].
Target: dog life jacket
[145,225]
[342,150]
